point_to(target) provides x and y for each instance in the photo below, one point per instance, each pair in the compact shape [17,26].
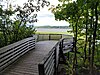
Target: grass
[54,33]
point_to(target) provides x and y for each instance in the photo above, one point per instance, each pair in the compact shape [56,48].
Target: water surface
[52,30]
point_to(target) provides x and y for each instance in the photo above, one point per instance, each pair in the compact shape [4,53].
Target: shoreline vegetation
[63,33]
[47,26]
[53,30]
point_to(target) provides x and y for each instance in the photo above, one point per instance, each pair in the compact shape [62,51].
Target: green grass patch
[54,33]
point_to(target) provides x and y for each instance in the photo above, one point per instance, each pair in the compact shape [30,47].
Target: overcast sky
[45,17]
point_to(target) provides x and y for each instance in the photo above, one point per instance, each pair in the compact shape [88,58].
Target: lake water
[51,30]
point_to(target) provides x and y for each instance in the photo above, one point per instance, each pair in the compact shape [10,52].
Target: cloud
[48,18]
[50,21]
[45,17]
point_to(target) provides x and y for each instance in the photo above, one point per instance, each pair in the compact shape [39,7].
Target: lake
[52,30]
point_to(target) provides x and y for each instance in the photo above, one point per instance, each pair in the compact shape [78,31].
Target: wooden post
[37,37]
[41,69]
[61,52]
[61,35]
[62,44]
[49,37]
[55,53]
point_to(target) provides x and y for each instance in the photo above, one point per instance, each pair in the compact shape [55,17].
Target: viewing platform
[28,57]
[28,63]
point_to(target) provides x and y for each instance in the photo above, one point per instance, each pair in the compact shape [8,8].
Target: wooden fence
[49,65]
[10,53]
[41,37]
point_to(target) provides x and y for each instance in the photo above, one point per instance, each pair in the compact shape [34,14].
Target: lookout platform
[28,63]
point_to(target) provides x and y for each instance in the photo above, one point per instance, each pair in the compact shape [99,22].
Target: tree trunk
[90,41]
[94,36]
[75,51]
[85,47]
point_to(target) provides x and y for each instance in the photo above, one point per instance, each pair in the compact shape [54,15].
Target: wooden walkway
[28,63]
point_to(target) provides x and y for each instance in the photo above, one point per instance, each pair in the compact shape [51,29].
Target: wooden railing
[41,37]
[12,52]
[49,65]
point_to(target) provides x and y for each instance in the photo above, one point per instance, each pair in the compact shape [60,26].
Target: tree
[17,22]
[83,18]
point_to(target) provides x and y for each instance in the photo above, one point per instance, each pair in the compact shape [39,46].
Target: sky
[45,16]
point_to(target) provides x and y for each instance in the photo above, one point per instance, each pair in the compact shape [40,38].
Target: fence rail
[50,63]
[48,66]
[10,53]
[41,37]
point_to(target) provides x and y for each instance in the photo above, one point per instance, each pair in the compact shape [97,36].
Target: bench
[10,53]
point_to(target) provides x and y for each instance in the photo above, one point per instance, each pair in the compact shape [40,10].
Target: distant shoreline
[53,30]
[49,27]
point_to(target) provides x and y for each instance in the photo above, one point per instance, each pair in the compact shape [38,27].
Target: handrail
[52,56]
[10,53]
[41,37]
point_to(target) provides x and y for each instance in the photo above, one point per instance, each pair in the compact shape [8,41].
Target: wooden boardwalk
[28,63]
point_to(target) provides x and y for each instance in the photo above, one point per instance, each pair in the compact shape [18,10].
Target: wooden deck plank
[28,63]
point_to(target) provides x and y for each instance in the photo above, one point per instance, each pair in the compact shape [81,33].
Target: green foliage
[84,18]
[16,22]
[61,27]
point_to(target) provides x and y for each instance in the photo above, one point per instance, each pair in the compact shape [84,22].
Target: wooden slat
[4,49]
[13,53]
[51,68]
[8,63]
[10,53]
[49,59]
[12,57]
[52,60]
[50,63]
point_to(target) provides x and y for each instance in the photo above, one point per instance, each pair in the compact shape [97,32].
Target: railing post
[61,35]
[49,37]
[37,37]
[61,55]
[41,69]
[55,62]
[62,43]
